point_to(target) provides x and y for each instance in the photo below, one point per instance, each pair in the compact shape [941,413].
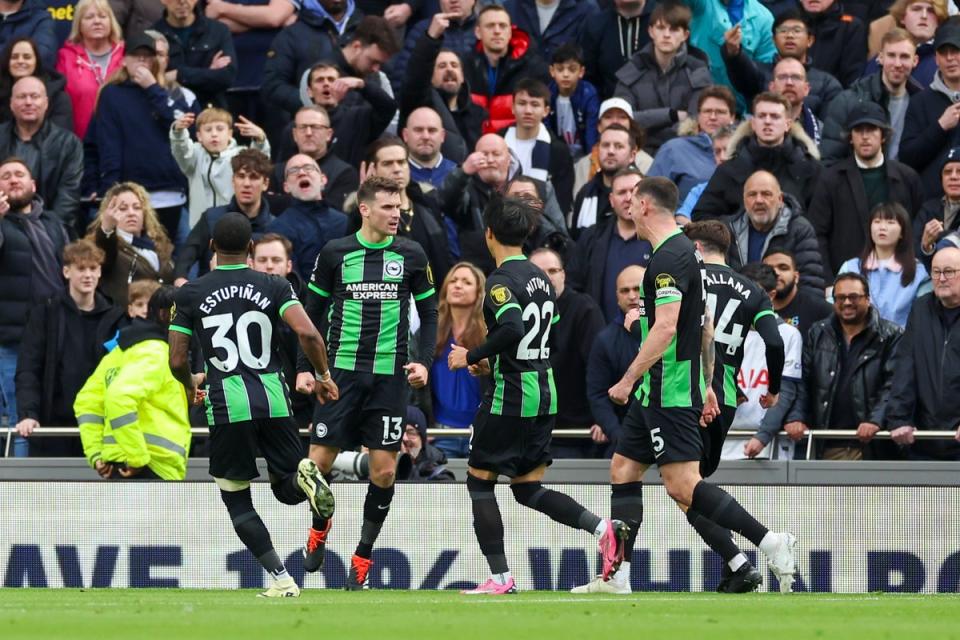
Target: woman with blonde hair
[92,53]
[457,394]
[136,245]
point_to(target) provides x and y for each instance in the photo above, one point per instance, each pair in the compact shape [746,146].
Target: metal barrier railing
[823,434]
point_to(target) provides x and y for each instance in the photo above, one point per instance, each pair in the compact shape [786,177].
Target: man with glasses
[848,369]
[789,79]
[308,223]
[925,391]
[793,39]
[312,133]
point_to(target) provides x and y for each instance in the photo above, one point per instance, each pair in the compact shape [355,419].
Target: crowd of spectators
[824,133]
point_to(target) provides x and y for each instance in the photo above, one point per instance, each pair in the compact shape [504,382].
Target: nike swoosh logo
[383,507]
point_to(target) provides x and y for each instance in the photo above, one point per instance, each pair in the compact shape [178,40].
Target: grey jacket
[657,95]
[792,232]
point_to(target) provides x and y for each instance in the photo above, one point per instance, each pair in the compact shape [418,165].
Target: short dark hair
[770,96]
[17,160]
[533,88]
[232,233]
[791,15]
[161,300]
[567,52]
[662,191]
[367,193]
[718,92]
[785,252]
[629,170]
[323,64]
[510,219]
[712,234]
[673,14]
[853,275]
[376,30]
[762,274]
[275,237]
[616,126]
[382,143]
[252,161]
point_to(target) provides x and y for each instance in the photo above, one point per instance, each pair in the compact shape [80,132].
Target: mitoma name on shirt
[235,291]
[374,290]
[537,283]
[730,281]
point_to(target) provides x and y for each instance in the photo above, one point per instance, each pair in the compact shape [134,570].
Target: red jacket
[521,61]
[84,80]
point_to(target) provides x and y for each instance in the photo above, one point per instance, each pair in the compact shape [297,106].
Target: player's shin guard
[716,537]
[719,506]
[251,530]
[487,523]
[626,504]
[376,506]
[559,506]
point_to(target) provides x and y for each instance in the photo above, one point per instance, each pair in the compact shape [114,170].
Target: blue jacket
[612,352]
[131,133]
[565,26]
[892,300]
[922,73]
[687,161]
[32,20]
[309,226]
[586,107]
[711,20]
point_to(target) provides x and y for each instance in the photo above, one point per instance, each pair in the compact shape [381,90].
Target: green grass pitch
[178,614]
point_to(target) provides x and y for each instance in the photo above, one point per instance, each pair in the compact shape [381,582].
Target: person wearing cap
[848,191]
[938,220]
[427,463]
[930,129]
[891,88]
[612,111]
[130,134]
[662,81]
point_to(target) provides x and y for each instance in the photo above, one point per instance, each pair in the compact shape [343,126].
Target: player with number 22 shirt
[512,429]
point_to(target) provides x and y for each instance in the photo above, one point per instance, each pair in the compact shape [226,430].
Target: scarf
[144,247]
[540,158]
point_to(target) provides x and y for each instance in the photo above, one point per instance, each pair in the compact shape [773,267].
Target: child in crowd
[206,162]
[574,102]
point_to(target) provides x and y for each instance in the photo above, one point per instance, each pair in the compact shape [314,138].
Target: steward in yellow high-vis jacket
[132,412]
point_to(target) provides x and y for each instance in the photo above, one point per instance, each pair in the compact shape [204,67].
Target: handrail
[824,434]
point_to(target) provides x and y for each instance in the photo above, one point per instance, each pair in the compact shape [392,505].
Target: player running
[512,429]
[363,283]
[233,312]
[662,427]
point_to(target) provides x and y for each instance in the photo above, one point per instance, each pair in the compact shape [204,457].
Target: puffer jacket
[840,43]
[16,269]
[209,176]
[656,96]
[795,164]
[792,232]
[132,410]
[84,80]
[521,61]
[926,381]
[566,25]
[870,382]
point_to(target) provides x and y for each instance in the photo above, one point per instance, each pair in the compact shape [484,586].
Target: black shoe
[357,578]
[725,575]
[743,580]
[313,551]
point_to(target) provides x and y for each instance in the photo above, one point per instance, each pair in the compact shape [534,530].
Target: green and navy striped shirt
[369,287]
[519,293]
[233,313]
